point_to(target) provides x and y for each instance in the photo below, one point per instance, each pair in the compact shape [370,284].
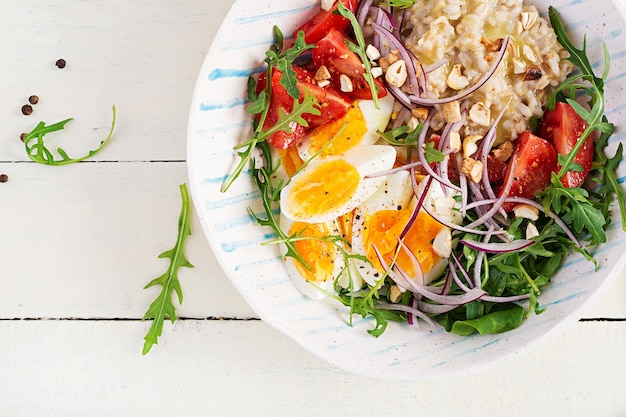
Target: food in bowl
[416,184]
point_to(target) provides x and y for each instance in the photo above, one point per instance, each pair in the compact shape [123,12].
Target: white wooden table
[78,243]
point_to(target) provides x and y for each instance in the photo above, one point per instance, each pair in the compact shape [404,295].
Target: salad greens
[506,275]
[163,307]
[38,152]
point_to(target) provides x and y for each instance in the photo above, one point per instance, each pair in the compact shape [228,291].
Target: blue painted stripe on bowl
[206,132]
[233,222]
[520,330]
[435,332]
[234,245]
[225,104]
[570,297]
[219,73]
[247,43]
[218,204]
[454,344]
[577,25]
[266,16]
[258,263]
[273,282]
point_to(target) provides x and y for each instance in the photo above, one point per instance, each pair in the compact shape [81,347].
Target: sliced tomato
[562,127]
[496,169]
[333,105]
[318,26]
[334,54]
[536,160]
[279,139]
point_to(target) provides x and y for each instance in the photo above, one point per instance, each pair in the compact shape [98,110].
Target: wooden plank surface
[77,245]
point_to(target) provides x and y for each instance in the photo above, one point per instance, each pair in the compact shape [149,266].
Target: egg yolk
[318,254]
[383,229]
[324,189]
[290,160]
[348,138]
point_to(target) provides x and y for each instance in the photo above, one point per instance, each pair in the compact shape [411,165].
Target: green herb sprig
[163,307]
[38,152]
[281,60]
[587,211]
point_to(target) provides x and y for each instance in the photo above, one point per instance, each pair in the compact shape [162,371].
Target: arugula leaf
[276,58]
[162,307]
[595,89]
[38,152]
[269,196]
[401,4]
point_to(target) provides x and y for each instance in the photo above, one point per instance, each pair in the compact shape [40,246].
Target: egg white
[396,193]
[367,160]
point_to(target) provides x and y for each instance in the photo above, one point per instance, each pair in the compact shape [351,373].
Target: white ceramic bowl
[218,122]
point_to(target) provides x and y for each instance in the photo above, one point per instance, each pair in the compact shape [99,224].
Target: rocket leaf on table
[163,307]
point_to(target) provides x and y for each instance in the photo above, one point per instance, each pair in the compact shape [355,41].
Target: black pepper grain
[33,99]
[27,109]
[60,63]
[23,136]
[4,177]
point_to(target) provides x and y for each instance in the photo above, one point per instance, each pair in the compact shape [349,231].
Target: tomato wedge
[334,54]
[279,139]
[536,160]
[562,127]
[318,26]
[333,106]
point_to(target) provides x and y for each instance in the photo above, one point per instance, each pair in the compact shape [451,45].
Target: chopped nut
[345,83]
[322,73]
[377,72]
[396,74]
[452,111]
[528,19]
[492,46]
[480,114]
[323,83]
[413,123]
[519,66]
[529,53]
[455,141]
[395,293]
[328,4]
[473,169]
[456,80]
[372,52]
[420,112]
[531,231]
[470,145]
[503,152]
[526,211]
[385,62]
[532,73]
[442,243]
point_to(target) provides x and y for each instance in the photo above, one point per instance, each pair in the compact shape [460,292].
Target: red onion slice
[497,247]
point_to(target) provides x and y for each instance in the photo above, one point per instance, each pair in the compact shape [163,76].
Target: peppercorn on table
[79,242]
